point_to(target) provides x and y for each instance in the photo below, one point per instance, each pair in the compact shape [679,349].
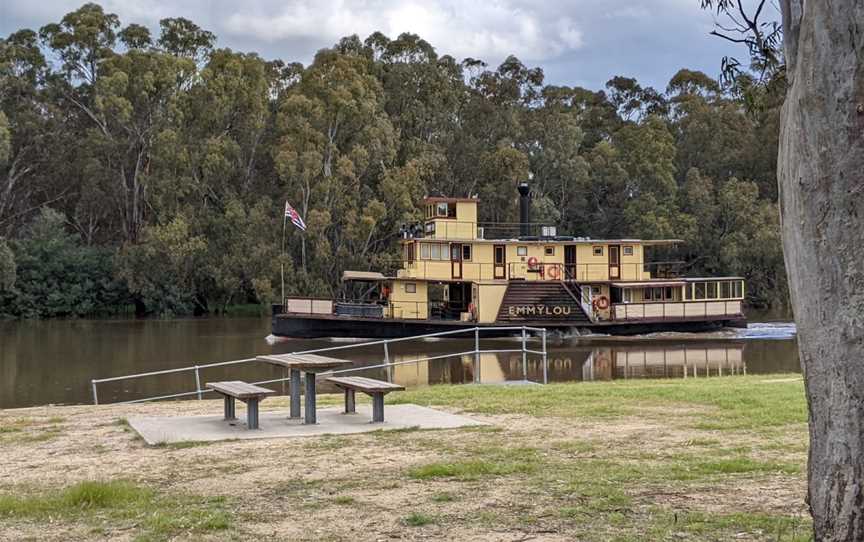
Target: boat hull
[305,326]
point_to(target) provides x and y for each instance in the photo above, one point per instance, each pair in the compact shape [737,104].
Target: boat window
[410,288]
[688,291]
[668,293]
[700,290]
[628,251]
[451,210]
[627,295]
[725,290]
[445,252]
[646,295]
[409,252]
[598,251]
[550,251]
[712,290]
[521,251]
[739,288]
[466,252]
[424,251]
[435,249]
[441,209]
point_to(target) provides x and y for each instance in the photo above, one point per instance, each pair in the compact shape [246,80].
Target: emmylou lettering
[538,310]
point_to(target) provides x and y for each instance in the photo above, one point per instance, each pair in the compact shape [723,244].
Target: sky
[576,42]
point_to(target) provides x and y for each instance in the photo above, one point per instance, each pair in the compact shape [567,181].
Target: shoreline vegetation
[698,459]
[151,168]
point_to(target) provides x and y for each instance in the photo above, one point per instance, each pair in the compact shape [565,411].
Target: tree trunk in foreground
[821,176]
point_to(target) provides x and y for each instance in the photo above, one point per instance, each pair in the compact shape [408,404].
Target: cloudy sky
[576,42]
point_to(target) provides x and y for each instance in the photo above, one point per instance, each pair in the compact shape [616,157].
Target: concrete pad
[275,424]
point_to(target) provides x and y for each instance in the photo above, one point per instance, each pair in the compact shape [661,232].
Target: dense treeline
[153,170]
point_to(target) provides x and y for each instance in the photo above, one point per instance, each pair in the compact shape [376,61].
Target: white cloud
[489,30]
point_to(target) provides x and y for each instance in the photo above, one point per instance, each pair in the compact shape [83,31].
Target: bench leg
[350,403]
[378,408]
[252,414]
[295,393]
[229,408]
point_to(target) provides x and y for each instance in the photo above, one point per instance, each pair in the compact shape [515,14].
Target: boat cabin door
[456,260]
[569,262]
[614,262]
[499,268]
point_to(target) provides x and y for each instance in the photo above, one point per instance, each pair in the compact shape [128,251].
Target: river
[53,362]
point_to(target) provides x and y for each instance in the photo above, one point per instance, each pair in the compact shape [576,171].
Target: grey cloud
[576,42]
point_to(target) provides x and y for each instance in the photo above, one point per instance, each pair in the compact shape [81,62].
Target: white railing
[384,343]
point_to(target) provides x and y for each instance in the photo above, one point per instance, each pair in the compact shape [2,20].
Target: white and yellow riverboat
[457,272]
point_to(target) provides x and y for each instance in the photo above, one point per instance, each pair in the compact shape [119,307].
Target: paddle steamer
[458,273]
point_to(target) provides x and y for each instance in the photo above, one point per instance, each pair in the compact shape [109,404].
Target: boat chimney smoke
[524,209]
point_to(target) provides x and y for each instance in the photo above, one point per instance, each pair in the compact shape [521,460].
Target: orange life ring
[554,272]
[532,263]
[601,302]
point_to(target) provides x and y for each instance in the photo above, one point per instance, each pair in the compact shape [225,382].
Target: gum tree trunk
[821,176]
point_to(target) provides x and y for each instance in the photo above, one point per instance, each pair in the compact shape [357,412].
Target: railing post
[198,383]
[476,355]
[387,361]
[524,354]
[95,396]
[545,359]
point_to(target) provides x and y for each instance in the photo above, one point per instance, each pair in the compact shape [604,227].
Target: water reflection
[53,362]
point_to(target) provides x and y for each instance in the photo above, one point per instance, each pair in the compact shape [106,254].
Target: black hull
[301,326]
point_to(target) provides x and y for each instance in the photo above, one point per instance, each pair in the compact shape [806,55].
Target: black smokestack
[524,209]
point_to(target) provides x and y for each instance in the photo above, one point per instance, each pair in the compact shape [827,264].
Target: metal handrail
[387,363]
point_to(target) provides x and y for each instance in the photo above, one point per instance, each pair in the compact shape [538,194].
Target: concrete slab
[275,424]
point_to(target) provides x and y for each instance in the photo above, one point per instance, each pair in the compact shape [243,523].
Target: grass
[624,461]
[417,519]
[719,403]
[112,504]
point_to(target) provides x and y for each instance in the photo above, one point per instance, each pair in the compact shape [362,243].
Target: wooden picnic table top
[304,362]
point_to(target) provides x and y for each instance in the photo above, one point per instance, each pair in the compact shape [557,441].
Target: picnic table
[303,363]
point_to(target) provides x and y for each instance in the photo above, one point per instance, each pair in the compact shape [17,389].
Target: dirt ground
[361,487]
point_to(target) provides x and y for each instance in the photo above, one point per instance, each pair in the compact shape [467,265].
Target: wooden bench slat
[364,384]
[239,389]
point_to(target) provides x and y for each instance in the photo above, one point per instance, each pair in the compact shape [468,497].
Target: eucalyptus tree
[821,174]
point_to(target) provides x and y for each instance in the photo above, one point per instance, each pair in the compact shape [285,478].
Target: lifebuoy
[554,272]
[601,302]
[532,263]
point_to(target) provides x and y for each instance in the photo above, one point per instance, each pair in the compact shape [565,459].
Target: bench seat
[377,389]
[248,393]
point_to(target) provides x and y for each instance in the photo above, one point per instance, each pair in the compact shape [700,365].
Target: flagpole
[282,259]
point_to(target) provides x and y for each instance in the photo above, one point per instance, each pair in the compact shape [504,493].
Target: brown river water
[53,362]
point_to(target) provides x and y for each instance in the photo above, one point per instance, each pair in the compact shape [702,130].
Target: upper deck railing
[448,270]
[448,228]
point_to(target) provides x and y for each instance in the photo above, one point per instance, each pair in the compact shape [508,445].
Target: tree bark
[821,179]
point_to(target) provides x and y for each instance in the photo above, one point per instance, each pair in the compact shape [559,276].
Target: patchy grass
[417,519]
[103,505]
[707,459]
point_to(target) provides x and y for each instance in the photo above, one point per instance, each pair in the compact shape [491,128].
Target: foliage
[171,161]
[56,276]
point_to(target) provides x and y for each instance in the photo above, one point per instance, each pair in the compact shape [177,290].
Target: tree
[821,174]
[8,269]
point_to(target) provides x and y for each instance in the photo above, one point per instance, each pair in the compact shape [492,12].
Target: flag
[292,213]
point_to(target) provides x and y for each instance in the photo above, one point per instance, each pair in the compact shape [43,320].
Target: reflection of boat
[458,273]
[601,363]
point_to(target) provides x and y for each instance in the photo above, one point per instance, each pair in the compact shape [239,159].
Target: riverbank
[695,459]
